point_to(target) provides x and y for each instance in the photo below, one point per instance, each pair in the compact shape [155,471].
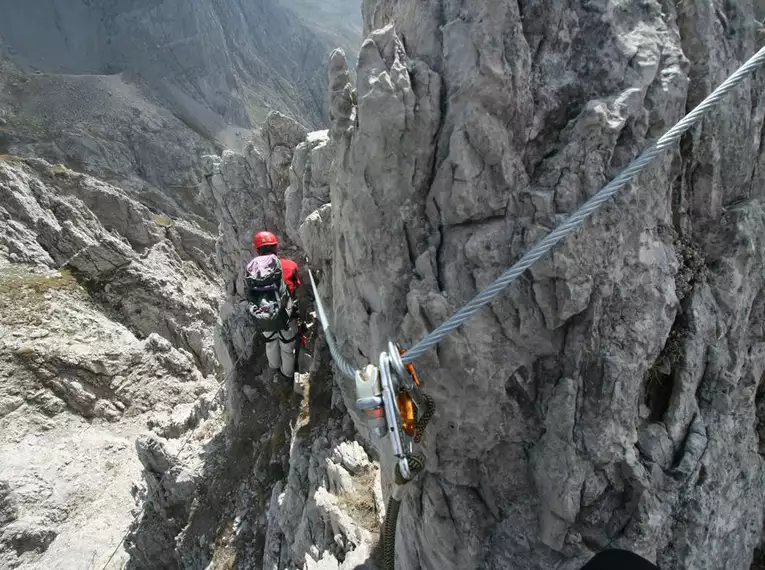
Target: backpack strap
[265,288]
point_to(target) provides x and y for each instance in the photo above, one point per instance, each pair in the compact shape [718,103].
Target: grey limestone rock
[611,396]
[560,429]
[77,380]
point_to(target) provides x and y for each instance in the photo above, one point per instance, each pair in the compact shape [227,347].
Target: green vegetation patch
[360,504]
[26,295]
[163,221]
[11,158]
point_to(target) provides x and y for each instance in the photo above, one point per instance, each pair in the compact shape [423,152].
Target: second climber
[272,284]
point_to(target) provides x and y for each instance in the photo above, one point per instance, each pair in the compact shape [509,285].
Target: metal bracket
[369,399]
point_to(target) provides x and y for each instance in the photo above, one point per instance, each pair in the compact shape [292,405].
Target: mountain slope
[339,21]
[134,92]
[109,127]
[106,317]
[233,56]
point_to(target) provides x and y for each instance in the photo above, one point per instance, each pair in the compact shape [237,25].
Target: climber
[272,284]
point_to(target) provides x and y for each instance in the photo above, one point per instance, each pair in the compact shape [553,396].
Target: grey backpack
[269,297]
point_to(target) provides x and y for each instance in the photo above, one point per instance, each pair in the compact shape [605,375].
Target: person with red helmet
[263,239]
[272,284]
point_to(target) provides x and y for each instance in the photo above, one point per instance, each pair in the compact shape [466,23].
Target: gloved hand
[252,309]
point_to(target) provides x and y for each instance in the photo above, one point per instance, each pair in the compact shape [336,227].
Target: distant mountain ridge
[134,91]
[236,57]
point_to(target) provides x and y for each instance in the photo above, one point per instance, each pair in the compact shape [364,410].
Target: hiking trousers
[280,349]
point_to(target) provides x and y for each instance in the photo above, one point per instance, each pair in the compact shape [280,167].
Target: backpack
[270,300]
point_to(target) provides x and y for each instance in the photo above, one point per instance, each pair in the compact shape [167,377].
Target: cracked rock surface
[612,396]
[103,337]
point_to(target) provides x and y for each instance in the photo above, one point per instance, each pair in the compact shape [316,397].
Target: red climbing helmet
[264,238]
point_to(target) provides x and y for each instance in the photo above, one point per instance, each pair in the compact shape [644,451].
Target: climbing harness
[389,395]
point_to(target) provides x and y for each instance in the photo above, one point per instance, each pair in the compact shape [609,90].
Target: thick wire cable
[342,364]
[574,221]
[183,445]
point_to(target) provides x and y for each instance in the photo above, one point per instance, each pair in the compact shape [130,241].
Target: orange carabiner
[409,368]
[406,408]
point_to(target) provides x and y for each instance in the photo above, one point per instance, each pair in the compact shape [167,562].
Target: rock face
[127,254]
[328,512]
[106,318]
[609,397]
[285,485]
[612,396]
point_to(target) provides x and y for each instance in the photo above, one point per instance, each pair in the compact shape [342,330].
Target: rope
[423,421]
[417,465]
[389,533]
[574,221]
[345,368]
[185,442]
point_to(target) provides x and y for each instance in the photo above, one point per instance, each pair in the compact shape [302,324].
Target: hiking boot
[282,386]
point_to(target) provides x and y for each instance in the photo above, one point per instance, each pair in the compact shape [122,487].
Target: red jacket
[290,274]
